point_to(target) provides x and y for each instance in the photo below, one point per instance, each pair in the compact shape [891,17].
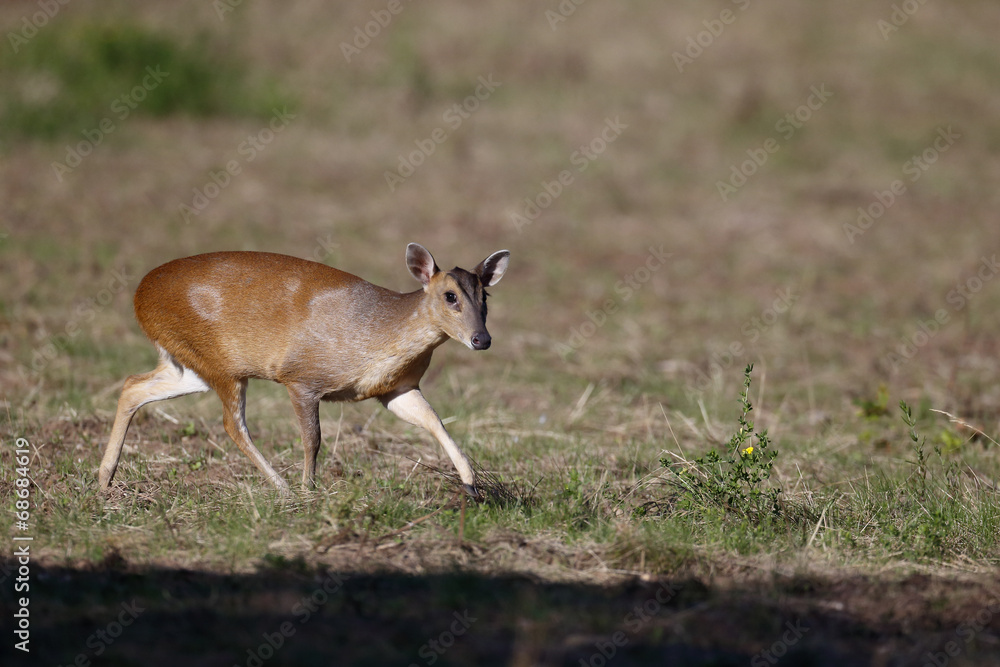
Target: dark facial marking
[471,286]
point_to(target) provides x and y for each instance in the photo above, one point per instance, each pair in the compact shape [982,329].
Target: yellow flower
[748,451]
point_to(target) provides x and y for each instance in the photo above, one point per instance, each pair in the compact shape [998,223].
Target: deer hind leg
[233,394]
[306,407]
[412,407]
[168,380]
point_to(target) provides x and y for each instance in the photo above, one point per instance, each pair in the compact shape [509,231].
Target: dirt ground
[685,189]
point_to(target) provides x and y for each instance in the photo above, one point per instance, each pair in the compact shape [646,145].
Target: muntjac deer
[219,319]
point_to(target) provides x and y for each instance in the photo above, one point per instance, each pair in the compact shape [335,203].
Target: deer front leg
[306,407]
[412,407]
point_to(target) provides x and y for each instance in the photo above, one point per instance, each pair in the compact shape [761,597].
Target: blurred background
[684,187]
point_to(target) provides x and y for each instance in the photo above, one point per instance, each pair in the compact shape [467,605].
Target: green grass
[921,509]
[186,499]
[575,442]
[76,74]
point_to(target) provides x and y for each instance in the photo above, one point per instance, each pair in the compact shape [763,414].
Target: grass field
[685,188]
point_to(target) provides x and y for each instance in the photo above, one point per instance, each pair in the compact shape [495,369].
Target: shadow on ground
[290,615]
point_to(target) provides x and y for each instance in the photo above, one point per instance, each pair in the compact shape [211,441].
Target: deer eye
[451,297]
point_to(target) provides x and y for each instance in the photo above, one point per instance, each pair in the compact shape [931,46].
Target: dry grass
[569,442]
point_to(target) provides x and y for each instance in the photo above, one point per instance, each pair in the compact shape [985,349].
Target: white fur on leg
[412,407]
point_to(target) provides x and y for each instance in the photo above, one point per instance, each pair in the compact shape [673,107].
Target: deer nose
[481,341]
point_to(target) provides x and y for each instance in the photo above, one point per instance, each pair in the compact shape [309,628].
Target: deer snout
[481,340]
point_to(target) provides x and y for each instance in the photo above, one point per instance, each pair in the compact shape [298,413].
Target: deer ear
[420,263]
[491,269]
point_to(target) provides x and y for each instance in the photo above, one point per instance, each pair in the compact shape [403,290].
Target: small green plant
[737,483]
[928,512]
[951,441]
[197,463]
[877,407]
[920,459]
[920,462]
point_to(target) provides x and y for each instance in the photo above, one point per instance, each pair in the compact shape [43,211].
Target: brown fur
[323,333]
